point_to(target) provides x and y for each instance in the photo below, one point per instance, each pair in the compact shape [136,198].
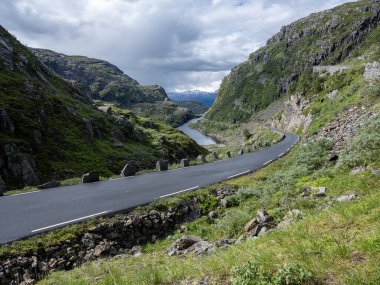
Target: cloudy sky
[179,44]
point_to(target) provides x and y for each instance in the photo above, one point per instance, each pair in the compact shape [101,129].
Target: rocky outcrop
[372,71]
[17,165]
[116,237]
[291,116]
[321,41]
[343,128]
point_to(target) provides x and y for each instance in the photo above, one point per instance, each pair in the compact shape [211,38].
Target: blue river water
[200,138]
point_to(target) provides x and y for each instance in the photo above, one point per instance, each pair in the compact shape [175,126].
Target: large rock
[124,123]
[162,165]
[185,162]
[90,177]
[228,154]
[47,185]
[180,245]
[214,155]
[372,70]
[105,109]
[128,170]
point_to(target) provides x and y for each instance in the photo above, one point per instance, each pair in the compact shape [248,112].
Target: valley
[271,180]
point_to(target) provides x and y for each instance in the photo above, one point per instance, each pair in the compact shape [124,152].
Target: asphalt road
[32,213]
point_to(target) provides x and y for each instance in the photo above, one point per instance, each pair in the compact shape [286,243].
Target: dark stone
[162,165]
[52,184]
[128,170]
[185,162]
[90,177]
[228,154]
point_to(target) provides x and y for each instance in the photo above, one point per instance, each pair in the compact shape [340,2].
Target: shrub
[364,147]
[250,274]
[286,274]
[292,274]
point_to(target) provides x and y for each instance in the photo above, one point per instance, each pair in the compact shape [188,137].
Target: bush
[292,274]
[286,274]
[250,274]
[364,148]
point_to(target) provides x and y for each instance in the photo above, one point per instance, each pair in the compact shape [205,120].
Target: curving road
[32,213]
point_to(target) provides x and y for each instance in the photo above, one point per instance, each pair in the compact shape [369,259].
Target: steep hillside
[195,106]
[104,81]
[285,65]
[50,128]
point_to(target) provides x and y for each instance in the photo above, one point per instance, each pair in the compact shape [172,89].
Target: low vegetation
[342,236]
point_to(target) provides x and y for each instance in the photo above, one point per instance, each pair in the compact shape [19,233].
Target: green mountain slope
[104,81]
[51,129]
[286,62]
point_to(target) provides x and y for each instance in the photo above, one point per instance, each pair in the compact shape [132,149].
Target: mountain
[195,106]
[101,80]
[205,98]
[286,64]
[51,129]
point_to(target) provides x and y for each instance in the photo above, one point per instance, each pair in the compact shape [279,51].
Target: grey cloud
[177,44]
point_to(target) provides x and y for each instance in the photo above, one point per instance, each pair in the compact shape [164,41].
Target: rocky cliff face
[286,62]
[101,80]
[51,129]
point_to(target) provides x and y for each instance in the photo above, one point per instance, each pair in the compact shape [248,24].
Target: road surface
[32,213]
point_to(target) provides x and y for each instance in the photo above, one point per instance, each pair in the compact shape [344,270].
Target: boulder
[128,170]
[185,162]
[123,122]
[51,184]
[162,165]
[263,217]
[228,154]
[116,143]
[319,191]
[346,198]
[137,250]
[105,109]
[201,158]
[214,155]
[90,177]
[241,152]
[201,247]
[180,245]
[251,225]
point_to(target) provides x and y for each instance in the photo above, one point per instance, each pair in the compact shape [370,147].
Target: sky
[178,44]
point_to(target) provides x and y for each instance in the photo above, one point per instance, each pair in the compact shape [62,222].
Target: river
[200,138]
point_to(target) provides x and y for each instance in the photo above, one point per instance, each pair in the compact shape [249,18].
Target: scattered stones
[162,165]
[201,158]
[376,171]
[228,154]
[90,177]
[128,170]
[357,170]
[290,218]
[185,162]
[52,184]
[346,198]
[260,225]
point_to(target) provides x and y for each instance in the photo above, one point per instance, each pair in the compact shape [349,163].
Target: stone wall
[114,237]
